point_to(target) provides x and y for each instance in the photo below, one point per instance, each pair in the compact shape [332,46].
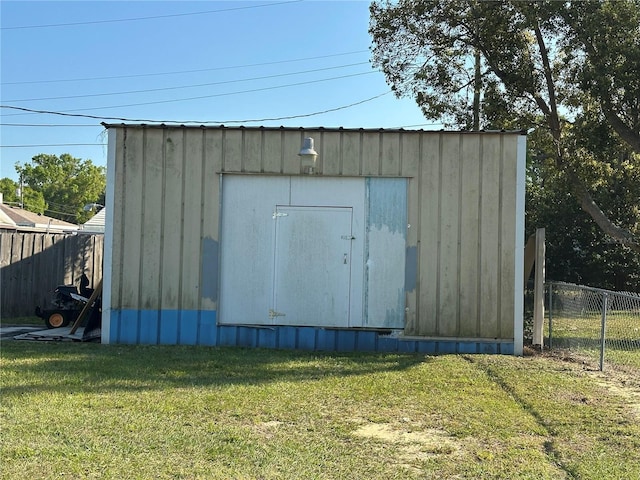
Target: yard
[96,411]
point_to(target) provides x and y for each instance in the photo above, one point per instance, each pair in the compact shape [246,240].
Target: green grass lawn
[75,410]
[33,320]
[582,334]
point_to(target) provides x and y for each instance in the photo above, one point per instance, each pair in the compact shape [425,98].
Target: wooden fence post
[538,292]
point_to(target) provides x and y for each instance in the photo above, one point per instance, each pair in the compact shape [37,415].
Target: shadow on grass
[94,368]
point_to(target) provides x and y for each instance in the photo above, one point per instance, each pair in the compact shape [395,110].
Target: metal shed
[395,240]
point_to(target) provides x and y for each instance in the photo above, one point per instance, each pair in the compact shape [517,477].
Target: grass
[33,320]
[98,411]
[582,333]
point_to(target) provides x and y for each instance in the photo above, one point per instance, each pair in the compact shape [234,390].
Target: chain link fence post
[603,329]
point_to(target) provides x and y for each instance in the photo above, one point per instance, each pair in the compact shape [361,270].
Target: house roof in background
[18,219]
[95,224]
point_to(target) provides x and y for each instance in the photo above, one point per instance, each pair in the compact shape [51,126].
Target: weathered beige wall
[462,197]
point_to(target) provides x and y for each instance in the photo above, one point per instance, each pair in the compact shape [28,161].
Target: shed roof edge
[300,129]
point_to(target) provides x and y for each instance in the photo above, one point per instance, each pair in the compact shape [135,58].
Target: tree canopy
[567,72]
[58,186]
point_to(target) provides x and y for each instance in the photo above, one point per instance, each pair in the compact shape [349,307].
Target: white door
[312,266]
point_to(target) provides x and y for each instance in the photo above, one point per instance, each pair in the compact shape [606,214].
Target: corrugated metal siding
[460,252]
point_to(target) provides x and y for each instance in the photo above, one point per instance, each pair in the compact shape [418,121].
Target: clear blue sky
[237,63]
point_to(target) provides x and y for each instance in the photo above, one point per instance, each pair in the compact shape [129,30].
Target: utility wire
[55,145]
[210,96]
[47,125]
[185,71]
[135,19]
[188,86]
[199,122]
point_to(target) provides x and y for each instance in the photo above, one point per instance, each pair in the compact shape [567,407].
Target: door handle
[345,259]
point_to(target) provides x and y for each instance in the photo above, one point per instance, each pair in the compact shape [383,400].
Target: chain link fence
[597,325]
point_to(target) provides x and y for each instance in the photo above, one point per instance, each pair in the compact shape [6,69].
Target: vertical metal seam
[261,149]
[380,151]
[223,147]
[122,235]
[400,153]
[341,159]
[282,142]
[320,161]
[479,239]
[163,174]
[201,249]
[420,187]
[365,250]
[360,155]
[142,235]
[242,149]
[439,235]
[182,216]
[459,234]
[500,233]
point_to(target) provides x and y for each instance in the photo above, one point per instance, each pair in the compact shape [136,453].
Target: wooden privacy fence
[34,264]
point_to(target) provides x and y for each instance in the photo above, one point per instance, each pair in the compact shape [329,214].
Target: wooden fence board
[33,264]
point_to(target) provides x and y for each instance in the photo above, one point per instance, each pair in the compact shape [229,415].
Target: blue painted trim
[193,327]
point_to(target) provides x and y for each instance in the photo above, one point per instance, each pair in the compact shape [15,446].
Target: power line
[278,62]
[276,87]
[55,145]
[188,86]
[199,122]
[47,125]
[135,19]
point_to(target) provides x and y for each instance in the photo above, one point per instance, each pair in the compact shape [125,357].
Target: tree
[560,68]
[29,199]
[66,183]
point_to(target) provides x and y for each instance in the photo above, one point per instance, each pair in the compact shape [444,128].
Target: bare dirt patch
[415,444]
[619,380]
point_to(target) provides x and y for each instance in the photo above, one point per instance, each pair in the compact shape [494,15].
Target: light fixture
[92,206]
[308,157]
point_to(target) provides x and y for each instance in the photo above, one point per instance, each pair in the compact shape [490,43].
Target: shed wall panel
[331,155]
[449,220]
[371,153]
[192,216]
[508,193]
[210,216]
[253,150]
[459,257]
[273,150]
[291,144]
[428,235]
[131,233]
[490,236]
[172,221]
[351,153]
[469,241]
[152,219]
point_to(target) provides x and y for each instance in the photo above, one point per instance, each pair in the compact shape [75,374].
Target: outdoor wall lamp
[92,206]
[308,157]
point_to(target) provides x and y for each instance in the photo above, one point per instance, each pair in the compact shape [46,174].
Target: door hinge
[273,314]
[279,214]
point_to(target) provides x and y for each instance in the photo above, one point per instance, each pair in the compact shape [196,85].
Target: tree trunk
[618,234]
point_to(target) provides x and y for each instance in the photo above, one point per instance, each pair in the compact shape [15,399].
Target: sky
[208,62]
